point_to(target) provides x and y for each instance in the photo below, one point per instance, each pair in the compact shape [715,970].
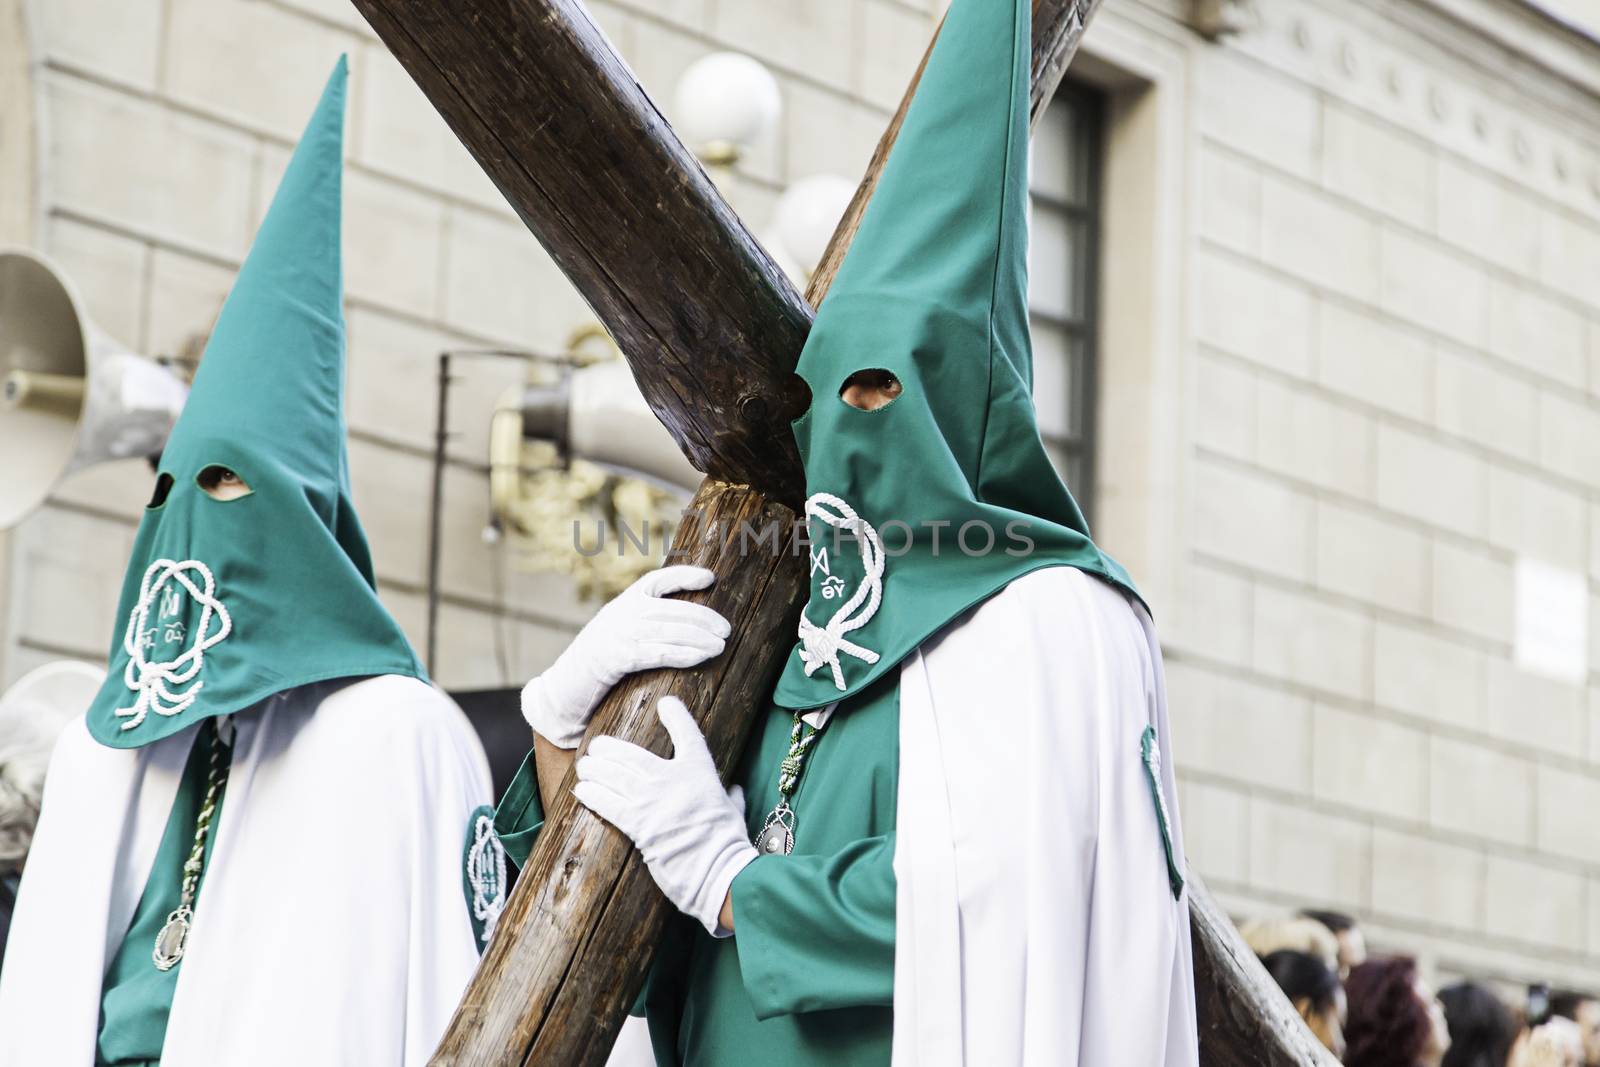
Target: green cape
[919,510]
[226,603]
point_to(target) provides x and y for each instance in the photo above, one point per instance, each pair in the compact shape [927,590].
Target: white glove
[638,631]
[690,831]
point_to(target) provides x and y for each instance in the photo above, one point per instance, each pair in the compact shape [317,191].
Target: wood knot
[571,870]
[753,409]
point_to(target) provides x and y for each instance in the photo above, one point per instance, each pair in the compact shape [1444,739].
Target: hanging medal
[173,939]
[777,833]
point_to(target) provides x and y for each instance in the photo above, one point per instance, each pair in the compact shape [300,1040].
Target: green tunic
[135,998]
[808,977]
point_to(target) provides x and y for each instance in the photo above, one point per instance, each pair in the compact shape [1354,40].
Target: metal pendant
[172,940]
[777,835]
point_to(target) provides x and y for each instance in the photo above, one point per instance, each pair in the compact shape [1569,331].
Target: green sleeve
[520,816]
[817,932]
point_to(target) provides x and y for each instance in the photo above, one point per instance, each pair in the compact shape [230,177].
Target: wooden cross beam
[712,330]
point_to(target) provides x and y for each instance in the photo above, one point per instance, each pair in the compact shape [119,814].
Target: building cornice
[1533,30]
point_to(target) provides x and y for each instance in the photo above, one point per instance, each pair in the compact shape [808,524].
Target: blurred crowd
[1379,1011]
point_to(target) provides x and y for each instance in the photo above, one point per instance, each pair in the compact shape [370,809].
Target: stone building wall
[1371,385]
[1395,276]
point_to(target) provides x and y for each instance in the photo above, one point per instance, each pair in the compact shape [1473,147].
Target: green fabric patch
[1150,755]
[520,816]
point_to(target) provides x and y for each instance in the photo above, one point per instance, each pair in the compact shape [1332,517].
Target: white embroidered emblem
[159,683]
[486,874]
[821,645]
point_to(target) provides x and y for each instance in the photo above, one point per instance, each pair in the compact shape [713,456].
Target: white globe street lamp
[807,214]
[725,102]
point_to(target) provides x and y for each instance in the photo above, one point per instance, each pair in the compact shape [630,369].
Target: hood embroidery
[159,683]
[821,646]
[832,584]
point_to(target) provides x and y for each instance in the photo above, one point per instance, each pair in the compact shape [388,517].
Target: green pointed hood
[228,602]
[922,509]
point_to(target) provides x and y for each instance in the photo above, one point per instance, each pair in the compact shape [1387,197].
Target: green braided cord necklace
[174,936]
[777,834]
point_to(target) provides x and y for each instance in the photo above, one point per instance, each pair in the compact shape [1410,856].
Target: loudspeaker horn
[596,413]
[70,395]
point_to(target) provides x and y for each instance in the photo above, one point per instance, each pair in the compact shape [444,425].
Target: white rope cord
[155,682]
[486,873]
[823,645]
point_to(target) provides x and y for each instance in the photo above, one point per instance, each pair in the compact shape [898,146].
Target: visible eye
[222,483]
[159,495]
[870,390]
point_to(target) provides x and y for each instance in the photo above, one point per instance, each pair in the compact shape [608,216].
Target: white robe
[331,928]
[1035,923]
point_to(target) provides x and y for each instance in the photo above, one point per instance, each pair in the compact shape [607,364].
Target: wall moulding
[1141,456]
[1531,29]
[19,207]
[19,127]
[1458,85]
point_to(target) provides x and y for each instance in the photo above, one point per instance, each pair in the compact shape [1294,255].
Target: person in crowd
[1290,933]
[249,850]
[1315,992]
[1482,1027]
[1394,1018]
[1352,943]
[1583,1009]
[1556,1042]
[24,752]
[32,715]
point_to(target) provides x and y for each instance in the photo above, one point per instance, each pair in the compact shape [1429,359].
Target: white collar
[817,718]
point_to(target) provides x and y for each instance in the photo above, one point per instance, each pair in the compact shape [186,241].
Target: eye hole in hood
[871,390]
[222,483]
[158,496]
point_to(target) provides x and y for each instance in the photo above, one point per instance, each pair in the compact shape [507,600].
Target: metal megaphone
[596,413]
[70,396]
[592,411]
[49,697]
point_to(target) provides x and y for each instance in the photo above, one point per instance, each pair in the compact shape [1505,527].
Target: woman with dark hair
[1352,943]
[1315,992]
[1482,1027]
[1395,1020]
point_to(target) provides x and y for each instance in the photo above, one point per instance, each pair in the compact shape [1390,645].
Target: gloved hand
[689,830]
[639,630]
